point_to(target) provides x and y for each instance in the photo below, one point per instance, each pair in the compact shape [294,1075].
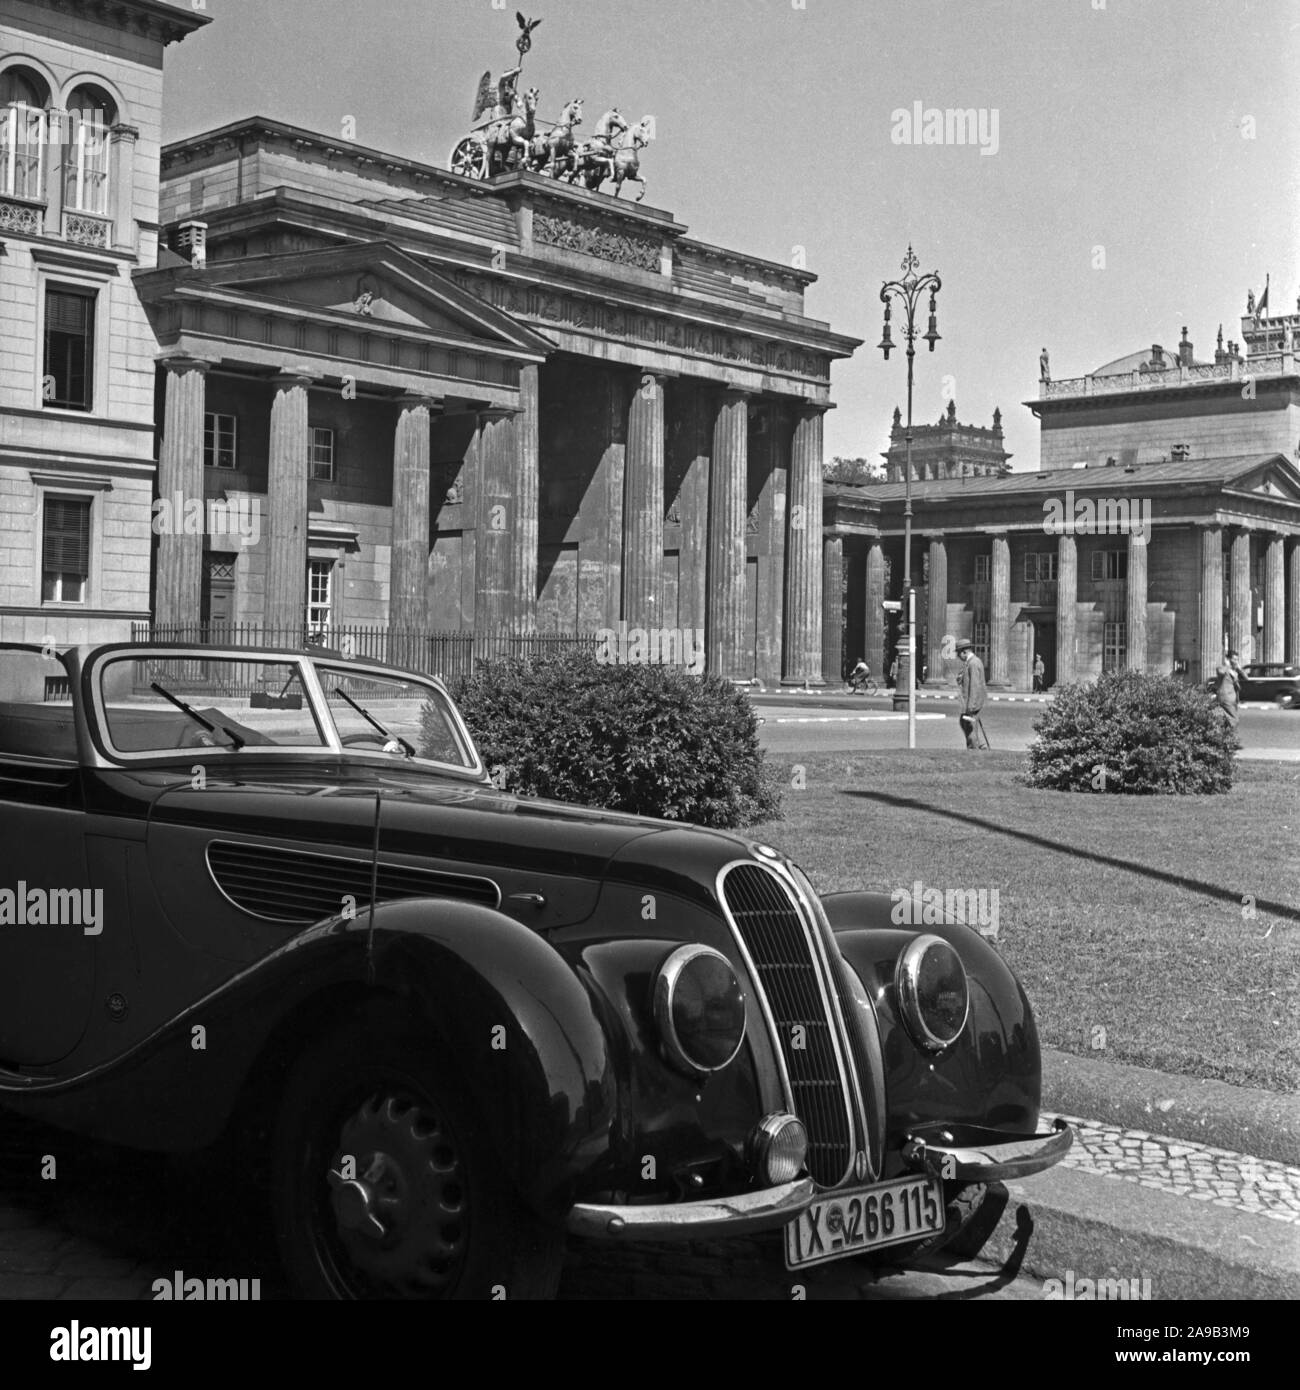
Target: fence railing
[444,654]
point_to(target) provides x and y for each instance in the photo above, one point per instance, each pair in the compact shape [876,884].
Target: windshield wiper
[373,722]
[235,741]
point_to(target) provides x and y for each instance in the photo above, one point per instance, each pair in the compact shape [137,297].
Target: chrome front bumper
[714,1216]
[969,1153]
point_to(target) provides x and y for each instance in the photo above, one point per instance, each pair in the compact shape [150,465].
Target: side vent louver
[283,885]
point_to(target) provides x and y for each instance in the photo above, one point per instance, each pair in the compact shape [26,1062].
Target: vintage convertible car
[276,893]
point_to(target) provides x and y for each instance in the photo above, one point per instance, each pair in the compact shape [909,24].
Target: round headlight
[778,1147]
[700,1008]
[932,992]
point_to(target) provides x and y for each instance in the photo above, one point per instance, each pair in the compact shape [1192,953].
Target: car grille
[774,933]
[292,886]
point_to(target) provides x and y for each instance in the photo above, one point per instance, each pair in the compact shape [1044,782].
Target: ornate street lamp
[908,292]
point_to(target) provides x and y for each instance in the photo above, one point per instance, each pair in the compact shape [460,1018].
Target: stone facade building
[947,449]
[1163,528]
[386,395]
[80,102]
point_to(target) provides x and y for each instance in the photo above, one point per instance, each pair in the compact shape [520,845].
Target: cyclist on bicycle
[860,675]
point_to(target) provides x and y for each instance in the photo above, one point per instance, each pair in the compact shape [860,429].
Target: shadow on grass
[1210,890]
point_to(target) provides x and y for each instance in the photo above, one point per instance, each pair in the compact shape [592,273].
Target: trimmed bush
[648,739]
[1130,733]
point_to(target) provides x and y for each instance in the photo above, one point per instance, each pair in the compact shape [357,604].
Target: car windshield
[160,702]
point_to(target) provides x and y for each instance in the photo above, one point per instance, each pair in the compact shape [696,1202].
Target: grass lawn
[1155,930]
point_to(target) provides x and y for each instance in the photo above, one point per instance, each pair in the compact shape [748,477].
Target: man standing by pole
[972,691]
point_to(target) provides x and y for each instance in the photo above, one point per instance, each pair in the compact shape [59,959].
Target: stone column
[874,635]
[643,505]
[178,582]
[408,588]
[285,609]
[524,536]
[1136,616]
[832,654]
[1000,613]
[937,626]
[497,519]
[1241,619]
[803,556]
[690,398]
[1211,600]
[1274,599]
[1293,603]
[1067,597]
[728,481]
[121,185]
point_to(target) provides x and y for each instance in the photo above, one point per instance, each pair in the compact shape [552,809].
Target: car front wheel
[384,1186]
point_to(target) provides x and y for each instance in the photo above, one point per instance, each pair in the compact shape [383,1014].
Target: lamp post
[908,292]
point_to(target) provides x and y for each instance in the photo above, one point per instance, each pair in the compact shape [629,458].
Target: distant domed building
[947,450]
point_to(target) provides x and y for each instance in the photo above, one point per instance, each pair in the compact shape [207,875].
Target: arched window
[91,114]
[24,130]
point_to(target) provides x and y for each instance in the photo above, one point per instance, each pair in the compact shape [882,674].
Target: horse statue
[513,134]
[627,158]
[553,153]
[599,159]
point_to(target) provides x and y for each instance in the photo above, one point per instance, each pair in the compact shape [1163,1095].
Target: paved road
[839,724]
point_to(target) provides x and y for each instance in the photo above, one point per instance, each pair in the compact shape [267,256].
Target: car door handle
[532,899]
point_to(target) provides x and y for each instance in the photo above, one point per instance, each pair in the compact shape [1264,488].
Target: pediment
[379,284]
[1275,477]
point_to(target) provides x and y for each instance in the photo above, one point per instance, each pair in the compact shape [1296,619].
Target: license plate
[867,1218]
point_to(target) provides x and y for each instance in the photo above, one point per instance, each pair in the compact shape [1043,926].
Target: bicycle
[863,685]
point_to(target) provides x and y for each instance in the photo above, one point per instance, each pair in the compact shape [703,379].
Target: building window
[980,641]
[320,589]
[322,455]
[983,569]
[1114,650]
[220,438]
[69,349]
[1109,564]
[85,167]
[24,132]
[65,550]
[1040,566]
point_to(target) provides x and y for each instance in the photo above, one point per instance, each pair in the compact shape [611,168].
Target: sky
[1143,177]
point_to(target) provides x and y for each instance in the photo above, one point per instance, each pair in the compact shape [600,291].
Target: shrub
[1132,733]
[648,739]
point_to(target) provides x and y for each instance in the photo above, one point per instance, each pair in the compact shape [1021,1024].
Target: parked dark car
[275,893]
[1274,682]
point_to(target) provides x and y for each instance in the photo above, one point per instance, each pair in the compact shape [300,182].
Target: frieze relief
[590,238]
[570,311]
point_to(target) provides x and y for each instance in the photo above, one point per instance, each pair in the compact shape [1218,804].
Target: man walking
[1228,691]
[973,691]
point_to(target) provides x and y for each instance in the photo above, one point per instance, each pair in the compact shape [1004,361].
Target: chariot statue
[505,134]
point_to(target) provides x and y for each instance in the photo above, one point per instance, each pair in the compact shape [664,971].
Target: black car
[1272,682]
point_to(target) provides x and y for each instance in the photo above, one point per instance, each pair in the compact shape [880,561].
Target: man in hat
[973,691]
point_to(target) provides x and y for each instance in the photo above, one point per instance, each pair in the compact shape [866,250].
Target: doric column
[937,626]
[1293,603]
[178,583]
[286,532]
[1241,619]
[725,626]
[803,555]
[1274,599]
[121,185]
[1000,613]
[408,587]
[692,407]
[832,653]
[1067,597]
[497,453]
[874,634]
[1136,616]
[524,539]
[643,505]
[1211,600]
